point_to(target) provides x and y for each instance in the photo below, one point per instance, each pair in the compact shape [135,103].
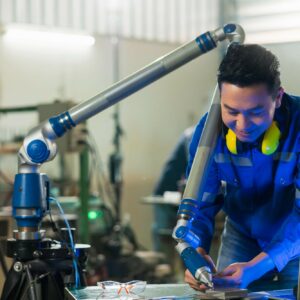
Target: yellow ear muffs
[231,141]
[269,142]
[271,139]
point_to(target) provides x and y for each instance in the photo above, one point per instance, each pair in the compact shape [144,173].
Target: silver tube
[162,66]
[135,82]
[57,126]
[205,150]
[204,154]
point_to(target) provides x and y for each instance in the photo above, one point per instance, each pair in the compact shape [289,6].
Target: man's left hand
[239,275]
[236,275]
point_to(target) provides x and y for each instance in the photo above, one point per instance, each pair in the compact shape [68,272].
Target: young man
[257,156]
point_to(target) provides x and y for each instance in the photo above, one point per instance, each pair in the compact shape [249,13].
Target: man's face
[248,111]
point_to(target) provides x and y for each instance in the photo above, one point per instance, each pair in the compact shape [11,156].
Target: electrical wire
[6,179]
[104,187]
[9,193]
[77,277]
[30,283]
[103,183]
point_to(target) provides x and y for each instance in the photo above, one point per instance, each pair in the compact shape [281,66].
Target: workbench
[174,291]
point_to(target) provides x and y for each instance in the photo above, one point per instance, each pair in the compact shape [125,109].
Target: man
[257,156]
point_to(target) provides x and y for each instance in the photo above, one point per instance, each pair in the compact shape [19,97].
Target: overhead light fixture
[46,37]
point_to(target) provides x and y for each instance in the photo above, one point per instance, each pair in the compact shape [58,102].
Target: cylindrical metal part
[185,234]
[142,78]
[204,154]
[66,236]
[195,263]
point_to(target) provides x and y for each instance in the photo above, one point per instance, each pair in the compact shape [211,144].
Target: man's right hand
[190,279]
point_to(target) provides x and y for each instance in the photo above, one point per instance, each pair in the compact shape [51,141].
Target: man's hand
[239,275]
[189,278]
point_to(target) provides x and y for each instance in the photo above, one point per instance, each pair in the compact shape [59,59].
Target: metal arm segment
[189,207]
[188,210]
[38,146]
[154,71]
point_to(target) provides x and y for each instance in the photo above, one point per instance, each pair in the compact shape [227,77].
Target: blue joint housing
[205,42]
[189,208]
[38,151]
[229,28]
[62,123]
[193,260]
[185,234]
[30,198]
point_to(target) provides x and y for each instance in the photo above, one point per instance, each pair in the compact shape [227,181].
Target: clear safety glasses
[114,289]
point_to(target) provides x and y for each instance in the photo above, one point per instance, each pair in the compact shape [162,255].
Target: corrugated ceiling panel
[161,20]
[269,21]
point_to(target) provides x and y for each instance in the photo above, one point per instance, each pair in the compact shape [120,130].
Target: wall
[155,117]
[152,119]
[289,65]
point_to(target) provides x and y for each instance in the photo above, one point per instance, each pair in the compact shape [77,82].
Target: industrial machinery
[36,257]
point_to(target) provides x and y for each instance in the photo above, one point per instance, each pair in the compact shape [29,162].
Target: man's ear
[278,97]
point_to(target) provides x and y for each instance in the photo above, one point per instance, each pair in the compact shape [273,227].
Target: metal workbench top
[172,291]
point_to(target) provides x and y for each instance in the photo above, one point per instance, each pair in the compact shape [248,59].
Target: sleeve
[212,199]
[285,245]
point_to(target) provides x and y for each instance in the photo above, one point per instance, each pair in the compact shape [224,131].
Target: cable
[30,283]
[77,277]
[104,185]
[6,179]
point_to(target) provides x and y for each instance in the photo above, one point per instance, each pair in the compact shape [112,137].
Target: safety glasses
[114,289]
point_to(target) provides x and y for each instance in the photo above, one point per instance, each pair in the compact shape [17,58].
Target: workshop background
[115,39]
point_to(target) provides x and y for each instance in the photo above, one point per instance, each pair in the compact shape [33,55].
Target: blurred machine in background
[91,203]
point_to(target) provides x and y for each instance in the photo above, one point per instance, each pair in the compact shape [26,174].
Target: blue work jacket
[262,192]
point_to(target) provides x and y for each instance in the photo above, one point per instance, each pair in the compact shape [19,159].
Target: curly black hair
[250,64]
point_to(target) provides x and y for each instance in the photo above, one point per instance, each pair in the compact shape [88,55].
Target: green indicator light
[92,215]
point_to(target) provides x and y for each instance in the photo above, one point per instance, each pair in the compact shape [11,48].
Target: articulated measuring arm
[30,189]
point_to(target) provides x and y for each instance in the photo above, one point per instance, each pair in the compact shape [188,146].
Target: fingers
[189,278]
[229,277]
[224,282]
[208,259]
[211,263]
[228,271]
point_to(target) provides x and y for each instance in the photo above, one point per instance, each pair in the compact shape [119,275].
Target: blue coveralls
[262,192]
